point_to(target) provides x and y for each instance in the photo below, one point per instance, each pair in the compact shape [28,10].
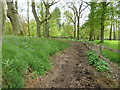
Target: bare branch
[80,7]
[107,4]
[71,18]
[45,19]
[35,14]
[54,2]
[73,9]
[86,3]
[83,9]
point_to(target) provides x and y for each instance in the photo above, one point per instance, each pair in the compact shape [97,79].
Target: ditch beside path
[71,70]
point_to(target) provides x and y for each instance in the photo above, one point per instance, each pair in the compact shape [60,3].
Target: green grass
[110,43]
[112,56]
[21,53]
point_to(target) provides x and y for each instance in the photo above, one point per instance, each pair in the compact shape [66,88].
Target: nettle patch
[100,65]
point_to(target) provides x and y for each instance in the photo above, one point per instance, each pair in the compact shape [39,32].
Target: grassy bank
[21,53]
[112,56]
[114,44]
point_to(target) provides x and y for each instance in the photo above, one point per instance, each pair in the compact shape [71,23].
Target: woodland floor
[71,70]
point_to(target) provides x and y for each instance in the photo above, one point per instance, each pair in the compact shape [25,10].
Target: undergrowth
[99,64]
[21,53]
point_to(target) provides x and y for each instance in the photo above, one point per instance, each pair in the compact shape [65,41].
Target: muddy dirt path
[71,70]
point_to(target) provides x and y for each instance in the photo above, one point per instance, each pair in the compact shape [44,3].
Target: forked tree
[78,10]
[39,22]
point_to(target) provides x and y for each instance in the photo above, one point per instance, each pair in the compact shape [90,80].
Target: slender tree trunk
[90,36]
[102,21]
[42,17]
[78,25]
[116,26]
[74,30]
[15,19]
[119,39]
[110,35]
[44,33]
[114,33]
[94,35]
[46,23]
[28,17]
[98,37]
[119,26]
[48,33]
[111,28]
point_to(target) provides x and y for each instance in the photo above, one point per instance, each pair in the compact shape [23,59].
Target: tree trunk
[44,32]
[78,25]
[36,19]
[46,29]
[91,34]
[102,21]
[114,33]
[3,15]
[119,25]
[2,23]
[116,26]
[74,30]
[90,37]
[28,17]
[38,30]
[46,22]
[15,19]
[119,39]
[1,27]
[94,35]
[98,37]
[110,36]
[112,23]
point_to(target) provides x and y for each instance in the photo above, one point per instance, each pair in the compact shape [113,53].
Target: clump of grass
[21,53]
[100,65]
[112,56]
